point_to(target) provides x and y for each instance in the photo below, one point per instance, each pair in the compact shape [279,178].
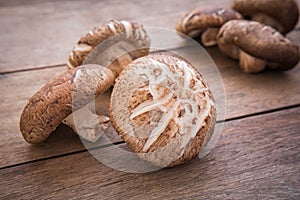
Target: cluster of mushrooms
[251,31]
[160,104]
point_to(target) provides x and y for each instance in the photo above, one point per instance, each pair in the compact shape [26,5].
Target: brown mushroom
[281,15]
[257,45]
[69,91]
[205,22]
[163,109]
[114,45]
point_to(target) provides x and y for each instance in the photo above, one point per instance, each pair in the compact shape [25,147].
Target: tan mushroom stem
[209,37]
[91,120]
[268,20]
[251,64]
[87,124]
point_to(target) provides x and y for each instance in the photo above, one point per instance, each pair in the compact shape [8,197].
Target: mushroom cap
[285,12]
[58,98]
[203,18]
[258,40]
[163,109]
[116,42]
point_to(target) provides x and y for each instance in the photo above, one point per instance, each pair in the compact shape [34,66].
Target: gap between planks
[294,36]
[257,114]
[259,93]
[255,158]
[33,68]
[57,33]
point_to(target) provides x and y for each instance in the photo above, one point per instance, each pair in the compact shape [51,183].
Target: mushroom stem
[268,20]
[91,120]
[86,124]
[209,37]
[250,64]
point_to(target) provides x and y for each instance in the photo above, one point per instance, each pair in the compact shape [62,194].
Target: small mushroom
[58,98]
[163,109]
[281,15]
[114,45]
[205,22]
[256,46]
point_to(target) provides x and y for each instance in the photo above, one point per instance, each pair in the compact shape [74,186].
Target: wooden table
[256,157]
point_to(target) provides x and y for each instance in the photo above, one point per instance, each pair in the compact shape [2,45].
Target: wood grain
[41,33]
[255,158]
[245,94]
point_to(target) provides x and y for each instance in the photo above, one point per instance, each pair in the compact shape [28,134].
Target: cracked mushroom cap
[200,20]
[281,15]
[163,109]
[57,99]
[258,41]
[113,44]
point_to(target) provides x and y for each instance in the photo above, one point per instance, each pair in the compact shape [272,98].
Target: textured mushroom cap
[163,109]
[106,43]
[200,19]
[286,12]
[67,92]
[259,41]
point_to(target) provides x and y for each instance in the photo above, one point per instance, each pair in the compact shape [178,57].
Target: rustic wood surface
[256,157]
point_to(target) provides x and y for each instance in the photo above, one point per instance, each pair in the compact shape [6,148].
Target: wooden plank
[39,33]
[245,94]
[255,158]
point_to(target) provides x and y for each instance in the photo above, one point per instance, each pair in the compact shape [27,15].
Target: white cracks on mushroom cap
[128,28]
[161,126]
[150,105]
[111,27]
[70,66]
[91,33]
[119,36]
[71,57]
[185,20]
[83,48]
[181,104]
[221,11]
